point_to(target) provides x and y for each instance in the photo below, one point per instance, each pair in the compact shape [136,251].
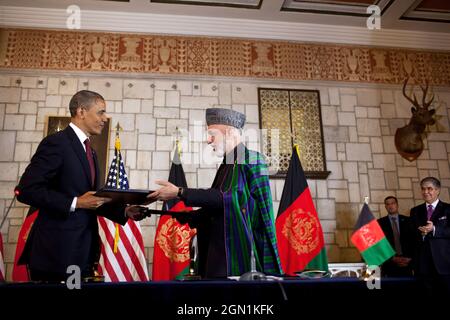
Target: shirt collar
[80,134]
[395,215]
[434,204]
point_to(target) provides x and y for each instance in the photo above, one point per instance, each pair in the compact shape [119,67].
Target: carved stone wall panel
[353,64]
[62,52]
[232,57]
[434,68]
[199,56]
[131,52]
[27,48]
[164,55]
[263,59]
[323,63]
[293,61]
[5,50]
[116,52]
[96,52]
[381,70]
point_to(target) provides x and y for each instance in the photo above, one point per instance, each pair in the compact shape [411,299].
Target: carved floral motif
[115,52]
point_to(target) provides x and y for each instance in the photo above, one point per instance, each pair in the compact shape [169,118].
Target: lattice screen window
[290,117]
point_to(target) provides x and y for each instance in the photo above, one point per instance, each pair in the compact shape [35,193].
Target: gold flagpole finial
[177,141]
[177,134]
[297,149]
[118,128]
[117,142]
[293,135]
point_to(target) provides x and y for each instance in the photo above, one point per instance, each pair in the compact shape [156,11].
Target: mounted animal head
[408,139]
[420,113]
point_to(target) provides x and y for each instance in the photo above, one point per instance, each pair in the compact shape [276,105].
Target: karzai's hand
[168,191]
[135,213]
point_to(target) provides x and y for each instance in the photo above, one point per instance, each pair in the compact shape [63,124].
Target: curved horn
[414,102]
[426,104]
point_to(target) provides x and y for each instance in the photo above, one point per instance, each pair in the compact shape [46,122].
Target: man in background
[398,231]
[431,221]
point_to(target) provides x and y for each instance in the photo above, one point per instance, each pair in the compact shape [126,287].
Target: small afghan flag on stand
[299,233]
[369,238]
[171,254]
[20,272]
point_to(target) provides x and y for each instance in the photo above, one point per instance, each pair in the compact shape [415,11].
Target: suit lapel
[405,227]
[423,214]
[437,211]
[97,170]
[79,151]
[388,227]
[401,222]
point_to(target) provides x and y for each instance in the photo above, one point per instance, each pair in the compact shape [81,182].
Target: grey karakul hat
[225,116]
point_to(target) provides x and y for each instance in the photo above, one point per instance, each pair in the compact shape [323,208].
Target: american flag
[2,264]
[122,255]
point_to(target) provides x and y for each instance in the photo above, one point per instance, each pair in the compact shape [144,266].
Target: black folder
[124,197]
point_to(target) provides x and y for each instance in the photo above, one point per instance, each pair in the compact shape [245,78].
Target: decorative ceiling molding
[423,11]
[116,21]
[248,4]
[217,57]
[355,8]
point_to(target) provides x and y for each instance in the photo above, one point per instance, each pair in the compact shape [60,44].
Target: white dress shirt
[82,137]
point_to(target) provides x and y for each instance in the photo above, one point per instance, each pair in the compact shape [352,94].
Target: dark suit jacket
[433,251]
[407,242]
[58,172]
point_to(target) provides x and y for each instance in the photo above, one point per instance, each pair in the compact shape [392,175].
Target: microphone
[193,255]
[253,274]
[16,193]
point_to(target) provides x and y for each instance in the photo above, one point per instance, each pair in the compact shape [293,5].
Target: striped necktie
[396,232]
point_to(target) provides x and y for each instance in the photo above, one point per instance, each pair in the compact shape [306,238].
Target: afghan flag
[369,238]
[20,273]
[171,254]
[299,233]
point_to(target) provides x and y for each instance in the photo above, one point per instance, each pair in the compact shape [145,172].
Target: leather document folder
[124,197]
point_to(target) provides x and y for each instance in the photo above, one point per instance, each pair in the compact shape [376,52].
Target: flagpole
[177,143]
[117,147]
[16,192]
[117,151]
